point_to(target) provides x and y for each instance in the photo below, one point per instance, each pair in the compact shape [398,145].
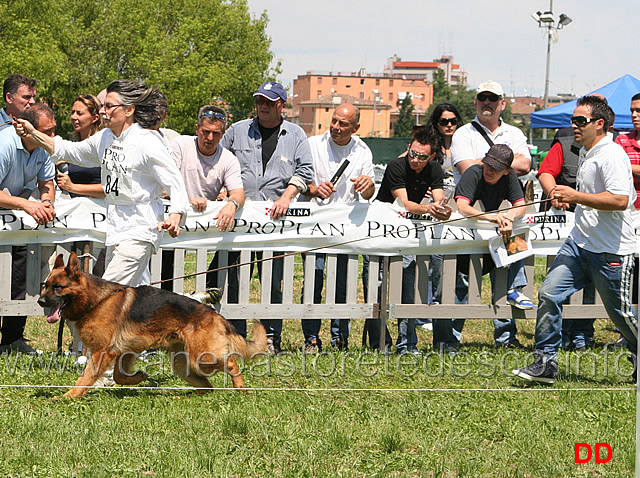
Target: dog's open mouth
[54,314]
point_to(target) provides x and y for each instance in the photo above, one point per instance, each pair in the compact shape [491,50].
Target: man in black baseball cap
[499,157]
[491,182]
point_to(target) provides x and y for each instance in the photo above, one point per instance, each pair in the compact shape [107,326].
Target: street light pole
[547,20]
[373,122]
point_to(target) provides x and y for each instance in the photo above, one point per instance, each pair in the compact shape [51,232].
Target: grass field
[354,414]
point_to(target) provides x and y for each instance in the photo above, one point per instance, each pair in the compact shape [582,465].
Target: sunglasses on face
[261,100]
[483,97]
[448,121]
[419,156]
[213,115]
[582,121]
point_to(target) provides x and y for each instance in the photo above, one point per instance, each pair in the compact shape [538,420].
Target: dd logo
[598,447]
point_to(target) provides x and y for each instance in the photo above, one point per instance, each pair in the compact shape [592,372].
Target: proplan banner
[360,228]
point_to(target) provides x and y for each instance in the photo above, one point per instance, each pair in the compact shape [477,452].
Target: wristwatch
[236,203]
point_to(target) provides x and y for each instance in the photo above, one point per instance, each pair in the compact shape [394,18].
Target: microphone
[339,172]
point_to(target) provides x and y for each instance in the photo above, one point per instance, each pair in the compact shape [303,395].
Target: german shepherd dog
[118,322]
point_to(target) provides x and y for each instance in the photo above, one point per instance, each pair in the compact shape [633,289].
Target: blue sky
[496,39]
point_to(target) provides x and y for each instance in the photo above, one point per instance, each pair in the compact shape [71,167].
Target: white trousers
[128,263]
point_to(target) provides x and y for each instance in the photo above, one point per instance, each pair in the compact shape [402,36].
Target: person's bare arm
[364,185]
[281,205]
[605,201]
[521,164]
[548,183]
[42,211]
[466,163]
[434,209]
[227,213]
[26,130]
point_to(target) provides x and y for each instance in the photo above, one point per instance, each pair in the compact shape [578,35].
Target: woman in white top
[135,169]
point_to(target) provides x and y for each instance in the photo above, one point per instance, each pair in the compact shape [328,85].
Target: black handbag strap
[482,132]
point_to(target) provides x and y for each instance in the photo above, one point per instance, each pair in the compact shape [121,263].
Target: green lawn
[354,414]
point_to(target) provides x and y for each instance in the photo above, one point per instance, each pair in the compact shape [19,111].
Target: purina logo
[549,219]
[419,217]
[294,212]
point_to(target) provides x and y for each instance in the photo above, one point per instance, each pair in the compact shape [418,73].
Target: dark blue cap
[272,90]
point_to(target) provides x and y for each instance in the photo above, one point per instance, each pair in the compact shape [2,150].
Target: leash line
[422,227]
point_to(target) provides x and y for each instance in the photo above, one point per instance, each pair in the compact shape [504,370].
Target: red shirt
[632,148]
[552,162]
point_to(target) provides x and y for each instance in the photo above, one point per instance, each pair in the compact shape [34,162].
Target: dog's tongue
[54,315]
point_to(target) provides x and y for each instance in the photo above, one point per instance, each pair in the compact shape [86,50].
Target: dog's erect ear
[73,266]
[59,262]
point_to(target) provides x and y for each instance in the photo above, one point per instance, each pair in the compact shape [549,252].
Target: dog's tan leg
[234,371]
[180,364]
[122,370]
[95,368]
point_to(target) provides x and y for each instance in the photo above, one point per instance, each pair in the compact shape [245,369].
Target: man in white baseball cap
[469,144]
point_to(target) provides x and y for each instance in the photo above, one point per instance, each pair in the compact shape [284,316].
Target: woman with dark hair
[443,122]
[135,168]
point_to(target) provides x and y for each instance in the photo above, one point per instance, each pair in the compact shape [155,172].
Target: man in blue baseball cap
[276,164]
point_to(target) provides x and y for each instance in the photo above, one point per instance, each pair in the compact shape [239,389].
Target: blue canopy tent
[618,93]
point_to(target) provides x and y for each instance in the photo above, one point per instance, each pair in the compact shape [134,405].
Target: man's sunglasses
[213,115]
[447,121]
[419,156]
[491,97]
[261,100]
[582,121]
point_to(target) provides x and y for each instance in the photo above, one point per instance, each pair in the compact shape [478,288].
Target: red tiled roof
[416,64]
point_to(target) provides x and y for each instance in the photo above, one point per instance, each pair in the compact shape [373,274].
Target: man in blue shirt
[276,165]
[25,167]
[19,93]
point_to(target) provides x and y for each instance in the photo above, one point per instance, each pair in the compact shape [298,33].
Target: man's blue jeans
[448,332]
[571,271]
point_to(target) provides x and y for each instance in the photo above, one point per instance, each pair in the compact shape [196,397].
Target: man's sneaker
[519,300]
[210,296]
[313,346]
[21,346]
[542,370]
[411,351]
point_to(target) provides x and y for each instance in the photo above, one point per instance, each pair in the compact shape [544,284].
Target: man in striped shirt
[629,142]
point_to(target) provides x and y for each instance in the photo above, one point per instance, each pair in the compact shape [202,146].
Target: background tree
[404,126]
[461,97]
[196,52]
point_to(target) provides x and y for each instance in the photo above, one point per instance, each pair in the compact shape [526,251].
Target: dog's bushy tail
[250,348]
